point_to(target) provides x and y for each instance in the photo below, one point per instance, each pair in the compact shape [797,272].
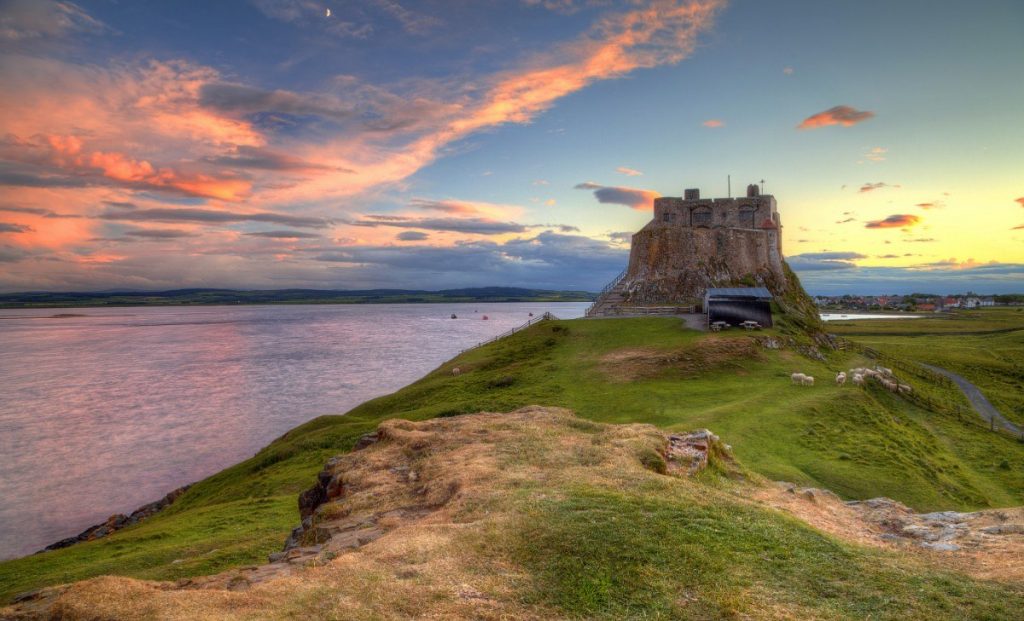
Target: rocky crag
[693,244]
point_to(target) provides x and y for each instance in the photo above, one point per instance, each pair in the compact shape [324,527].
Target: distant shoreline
[228,297]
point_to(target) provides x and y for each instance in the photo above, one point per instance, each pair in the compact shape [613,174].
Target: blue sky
[392,143]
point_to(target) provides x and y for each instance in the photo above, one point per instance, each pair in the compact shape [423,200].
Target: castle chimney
[753,190]
[691,194]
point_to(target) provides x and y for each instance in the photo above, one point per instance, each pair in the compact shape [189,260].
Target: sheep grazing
[807,381]
[884,371]
[841,378]
[857,379]
[904,389]
[797,378]
[456,371]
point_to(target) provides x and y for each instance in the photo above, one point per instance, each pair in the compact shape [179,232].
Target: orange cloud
[68,153]
[1019,201]
[635,198]
[629,172]
[838,115]
[713,123]
[930,205]
[662,32]
[894,222]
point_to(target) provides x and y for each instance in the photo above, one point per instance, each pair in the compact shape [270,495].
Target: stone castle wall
[676,264]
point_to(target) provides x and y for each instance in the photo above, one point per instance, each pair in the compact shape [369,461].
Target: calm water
[103,413]
[851,316]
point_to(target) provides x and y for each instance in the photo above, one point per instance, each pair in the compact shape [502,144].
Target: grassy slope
[856,442]
[986,346]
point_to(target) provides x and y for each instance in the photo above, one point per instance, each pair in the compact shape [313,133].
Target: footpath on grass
[978,400]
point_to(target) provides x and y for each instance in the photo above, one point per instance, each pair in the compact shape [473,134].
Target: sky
[396,144]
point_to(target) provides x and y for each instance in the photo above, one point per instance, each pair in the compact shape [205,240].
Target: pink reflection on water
[104,413]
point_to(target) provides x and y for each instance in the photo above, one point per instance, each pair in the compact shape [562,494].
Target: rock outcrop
[119,521]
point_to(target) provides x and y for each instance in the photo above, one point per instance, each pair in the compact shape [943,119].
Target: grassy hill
[858,442]
[984,345]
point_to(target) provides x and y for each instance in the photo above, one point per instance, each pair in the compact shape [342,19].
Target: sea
[103,410]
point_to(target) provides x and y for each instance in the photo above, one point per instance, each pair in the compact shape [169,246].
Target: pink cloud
[635,198]
[713,123]
[838,115]
[894,222]
[629,172]
[871,187]
[1019,201]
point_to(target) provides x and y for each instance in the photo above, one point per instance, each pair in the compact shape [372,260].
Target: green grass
[985,346]
[671,552]
[859,443]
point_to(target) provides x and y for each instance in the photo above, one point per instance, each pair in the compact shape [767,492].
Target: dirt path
[978,401]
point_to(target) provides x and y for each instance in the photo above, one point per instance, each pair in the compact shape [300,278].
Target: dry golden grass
[447,496]
[708,354]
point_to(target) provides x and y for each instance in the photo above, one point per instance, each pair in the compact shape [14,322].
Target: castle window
[701,217]
[668,216]
[747,217]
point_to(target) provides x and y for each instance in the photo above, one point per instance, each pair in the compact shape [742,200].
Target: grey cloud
[159,233]
[829,256]
[478,226]
[264,159]
[548,260]
[241,99]
[630,197]
[11,254]
[283,234]
[412,22]
[29,180]
[33,19]
[39,211]
[412,236]
[10,227]
[213,217]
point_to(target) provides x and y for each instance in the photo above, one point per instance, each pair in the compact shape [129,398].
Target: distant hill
[48,299]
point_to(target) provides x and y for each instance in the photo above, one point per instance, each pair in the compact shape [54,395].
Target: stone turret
[694,243]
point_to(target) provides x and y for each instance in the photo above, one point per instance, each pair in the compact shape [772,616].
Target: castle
[693,244]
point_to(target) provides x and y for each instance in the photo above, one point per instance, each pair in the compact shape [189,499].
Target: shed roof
[759,293]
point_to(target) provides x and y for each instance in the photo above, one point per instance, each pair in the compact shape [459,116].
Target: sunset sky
[436,144]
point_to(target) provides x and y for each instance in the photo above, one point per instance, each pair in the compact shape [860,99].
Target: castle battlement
[693,244]
[753,211]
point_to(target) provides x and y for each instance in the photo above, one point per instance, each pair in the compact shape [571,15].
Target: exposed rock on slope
[119,521]
[986,544]
[415,491]
[439,518]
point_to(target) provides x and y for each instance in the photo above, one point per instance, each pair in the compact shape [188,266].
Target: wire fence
[966,415]
[535,320]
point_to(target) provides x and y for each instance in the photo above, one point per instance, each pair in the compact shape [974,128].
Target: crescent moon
[328,13]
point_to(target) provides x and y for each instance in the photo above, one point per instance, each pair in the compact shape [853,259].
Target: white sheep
[807,381]
[841,378]
[905,389]
[797,378]
[858,379]
[456,371]
[884,371]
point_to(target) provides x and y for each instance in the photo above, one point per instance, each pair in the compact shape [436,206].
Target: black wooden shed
[734,305]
